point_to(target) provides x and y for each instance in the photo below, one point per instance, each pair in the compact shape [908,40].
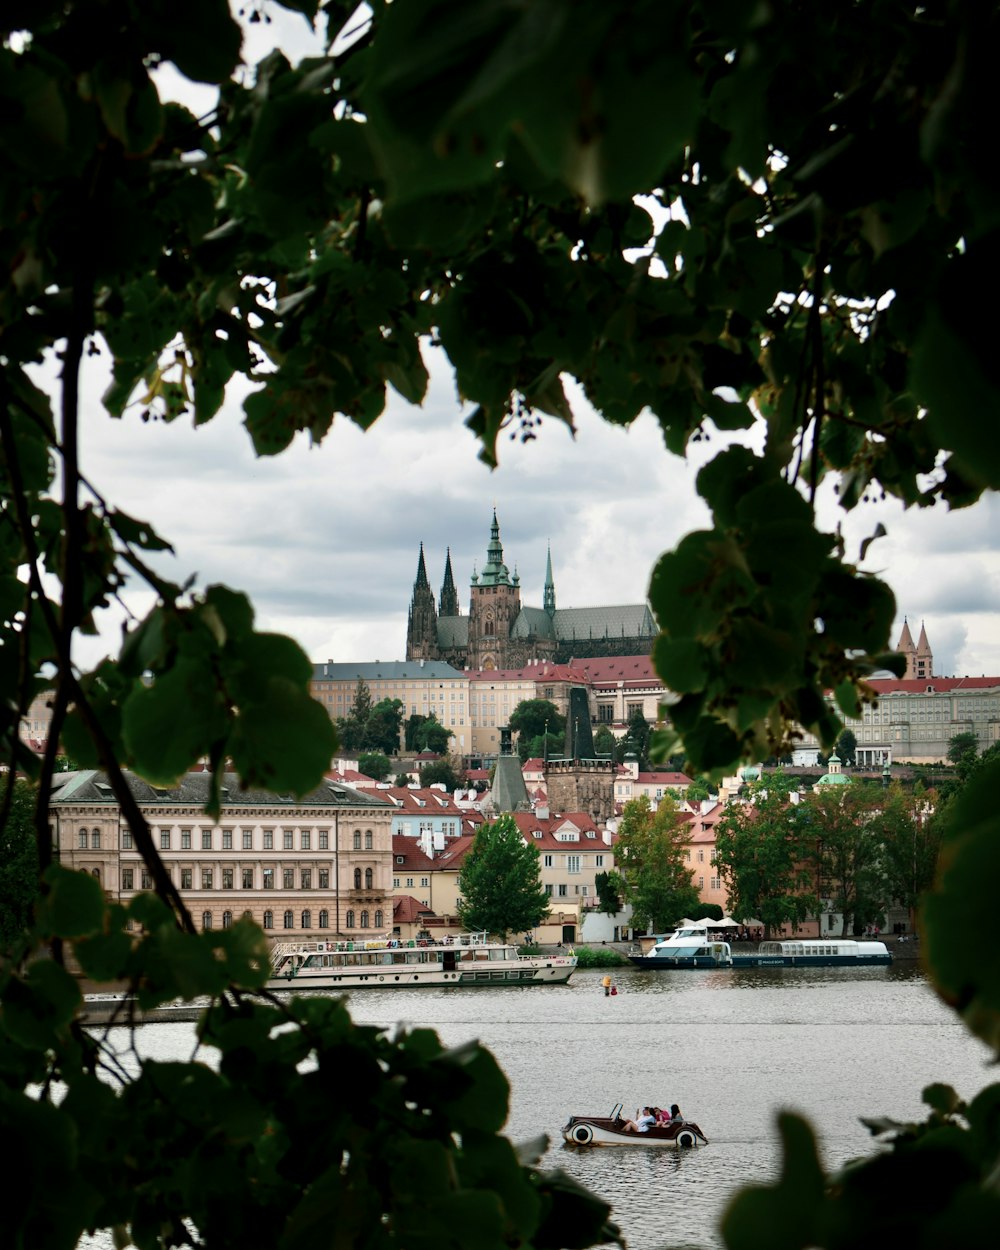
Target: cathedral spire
[421,625]
[421,583]
[549,601]
[495,572]
[448,602]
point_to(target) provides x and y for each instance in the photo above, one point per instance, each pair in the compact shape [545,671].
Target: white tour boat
[468,960]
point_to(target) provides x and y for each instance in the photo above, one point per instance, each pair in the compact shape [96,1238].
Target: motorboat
[609,1130]
[465,960]
[685,948]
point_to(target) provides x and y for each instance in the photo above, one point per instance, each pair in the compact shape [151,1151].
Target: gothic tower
[549,600]
[906,648]
[448,603]
[421,627]
[924,658]
[495,601]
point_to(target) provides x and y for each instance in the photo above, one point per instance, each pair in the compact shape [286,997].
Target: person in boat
[643,1122]
[675,1114]
[662,1117]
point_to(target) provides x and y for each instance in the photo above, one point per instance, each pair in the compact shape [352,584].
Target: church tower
[448,603]
[495,601]
[549,600]
[421,627]
[906,648]
[924,658]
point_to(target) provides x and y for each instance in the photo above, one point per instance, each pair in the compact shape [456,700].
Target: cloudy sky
[325,539]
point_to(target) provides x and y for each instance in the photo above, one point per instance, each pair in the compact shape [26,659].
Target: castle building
[500,632]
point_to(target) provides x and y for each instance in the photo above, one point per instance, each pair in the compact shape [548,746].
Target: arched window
[289,920]
[81,840]
[95,840]
[357,878]
[364,920]
[357,839]
[307,920]
[227,919]
[269,920]
[368,878]
[96,873]
[324,920]
[247,915]
[378,919]
[206,920]
[349,920]
[368,839]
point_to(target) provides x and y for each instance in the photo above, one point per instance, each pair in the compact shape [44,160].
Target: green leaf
[73,905]
[169,725]
[284,740]
[680,663]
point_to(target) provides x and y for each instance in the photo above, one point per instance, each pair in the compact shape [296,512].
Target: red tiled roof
[414,859]
[533,672]
[406,909]
[940,685]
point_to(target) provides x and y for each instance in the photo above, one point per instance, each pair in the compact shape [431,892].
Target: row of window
[562,890]
[364,881]
[360,841]
[305,920]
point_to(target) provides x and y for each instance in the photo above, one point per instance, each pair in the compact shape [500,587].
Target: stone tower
[579,782]
[919,657]
[421,626]
[448,602]
[494,604]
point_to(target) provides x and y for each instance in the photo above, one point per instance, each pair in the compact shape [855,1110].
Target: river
[732,1048]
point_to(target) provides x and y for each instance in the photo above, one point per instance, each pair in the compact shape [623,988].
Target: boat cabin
[841,948]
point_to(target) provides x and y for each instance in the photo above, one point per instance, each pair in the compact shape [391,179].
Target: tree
[424,733]
[636,740]
[650,854]
[609,888]
[402,779]
[381,732]
[698,790]
[765,855]
[962,751]
[847,745]
[354,726]
[810,247]
[441,772]
[849,851]
[531,720]
[501,881]
[18,868]
[910,832]
[605,742]
[374,764]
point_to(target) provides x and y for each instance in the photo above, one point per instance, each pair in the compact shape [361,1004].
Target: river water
[732,1048]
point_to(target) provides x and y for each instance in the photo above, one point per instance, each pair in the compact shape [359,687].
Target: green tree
[849,851]
[531,720]
[610,889]
[963,749]
[636,740]
[847,745]
[382,729]
[650,854]
[353,727]
[699,789]
[441,772]
[501,881]
[374,764]
[434,737]
[910,832]
[402,779]
[765,855]
[18,865]
[605,742]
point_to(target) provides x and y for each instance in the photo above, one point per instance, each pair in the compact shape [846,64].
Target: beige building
[912,721]
[317,866]
[630,784]
[424,687]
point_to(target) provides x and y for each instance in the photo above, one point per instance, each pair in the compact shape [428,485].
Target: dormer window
[536,833]
[400,859]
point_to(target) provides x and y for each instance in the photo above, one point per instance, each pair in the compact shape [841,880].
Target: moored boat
[468,960]
[686,948]
[816,953]
[609,1130]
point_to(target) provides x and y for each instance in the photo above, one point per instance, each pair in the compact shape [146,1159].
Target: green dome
[834,777]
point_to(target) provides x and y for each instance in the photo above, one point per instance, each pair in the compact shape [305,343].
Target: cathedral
[500,633]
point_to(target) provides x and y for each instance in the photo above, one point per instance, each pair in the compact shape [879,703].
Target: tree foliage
[441,772]
[532,720]
[651,855]
[501,881]
[849,851]
[609,889]
[18,866]
[374,764]
[765,855]
[667,208]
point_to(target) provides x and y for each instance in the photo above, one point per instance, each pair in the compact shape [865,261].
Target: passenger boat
[816,953]
[597,1130]
[685,948]
[468,960]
